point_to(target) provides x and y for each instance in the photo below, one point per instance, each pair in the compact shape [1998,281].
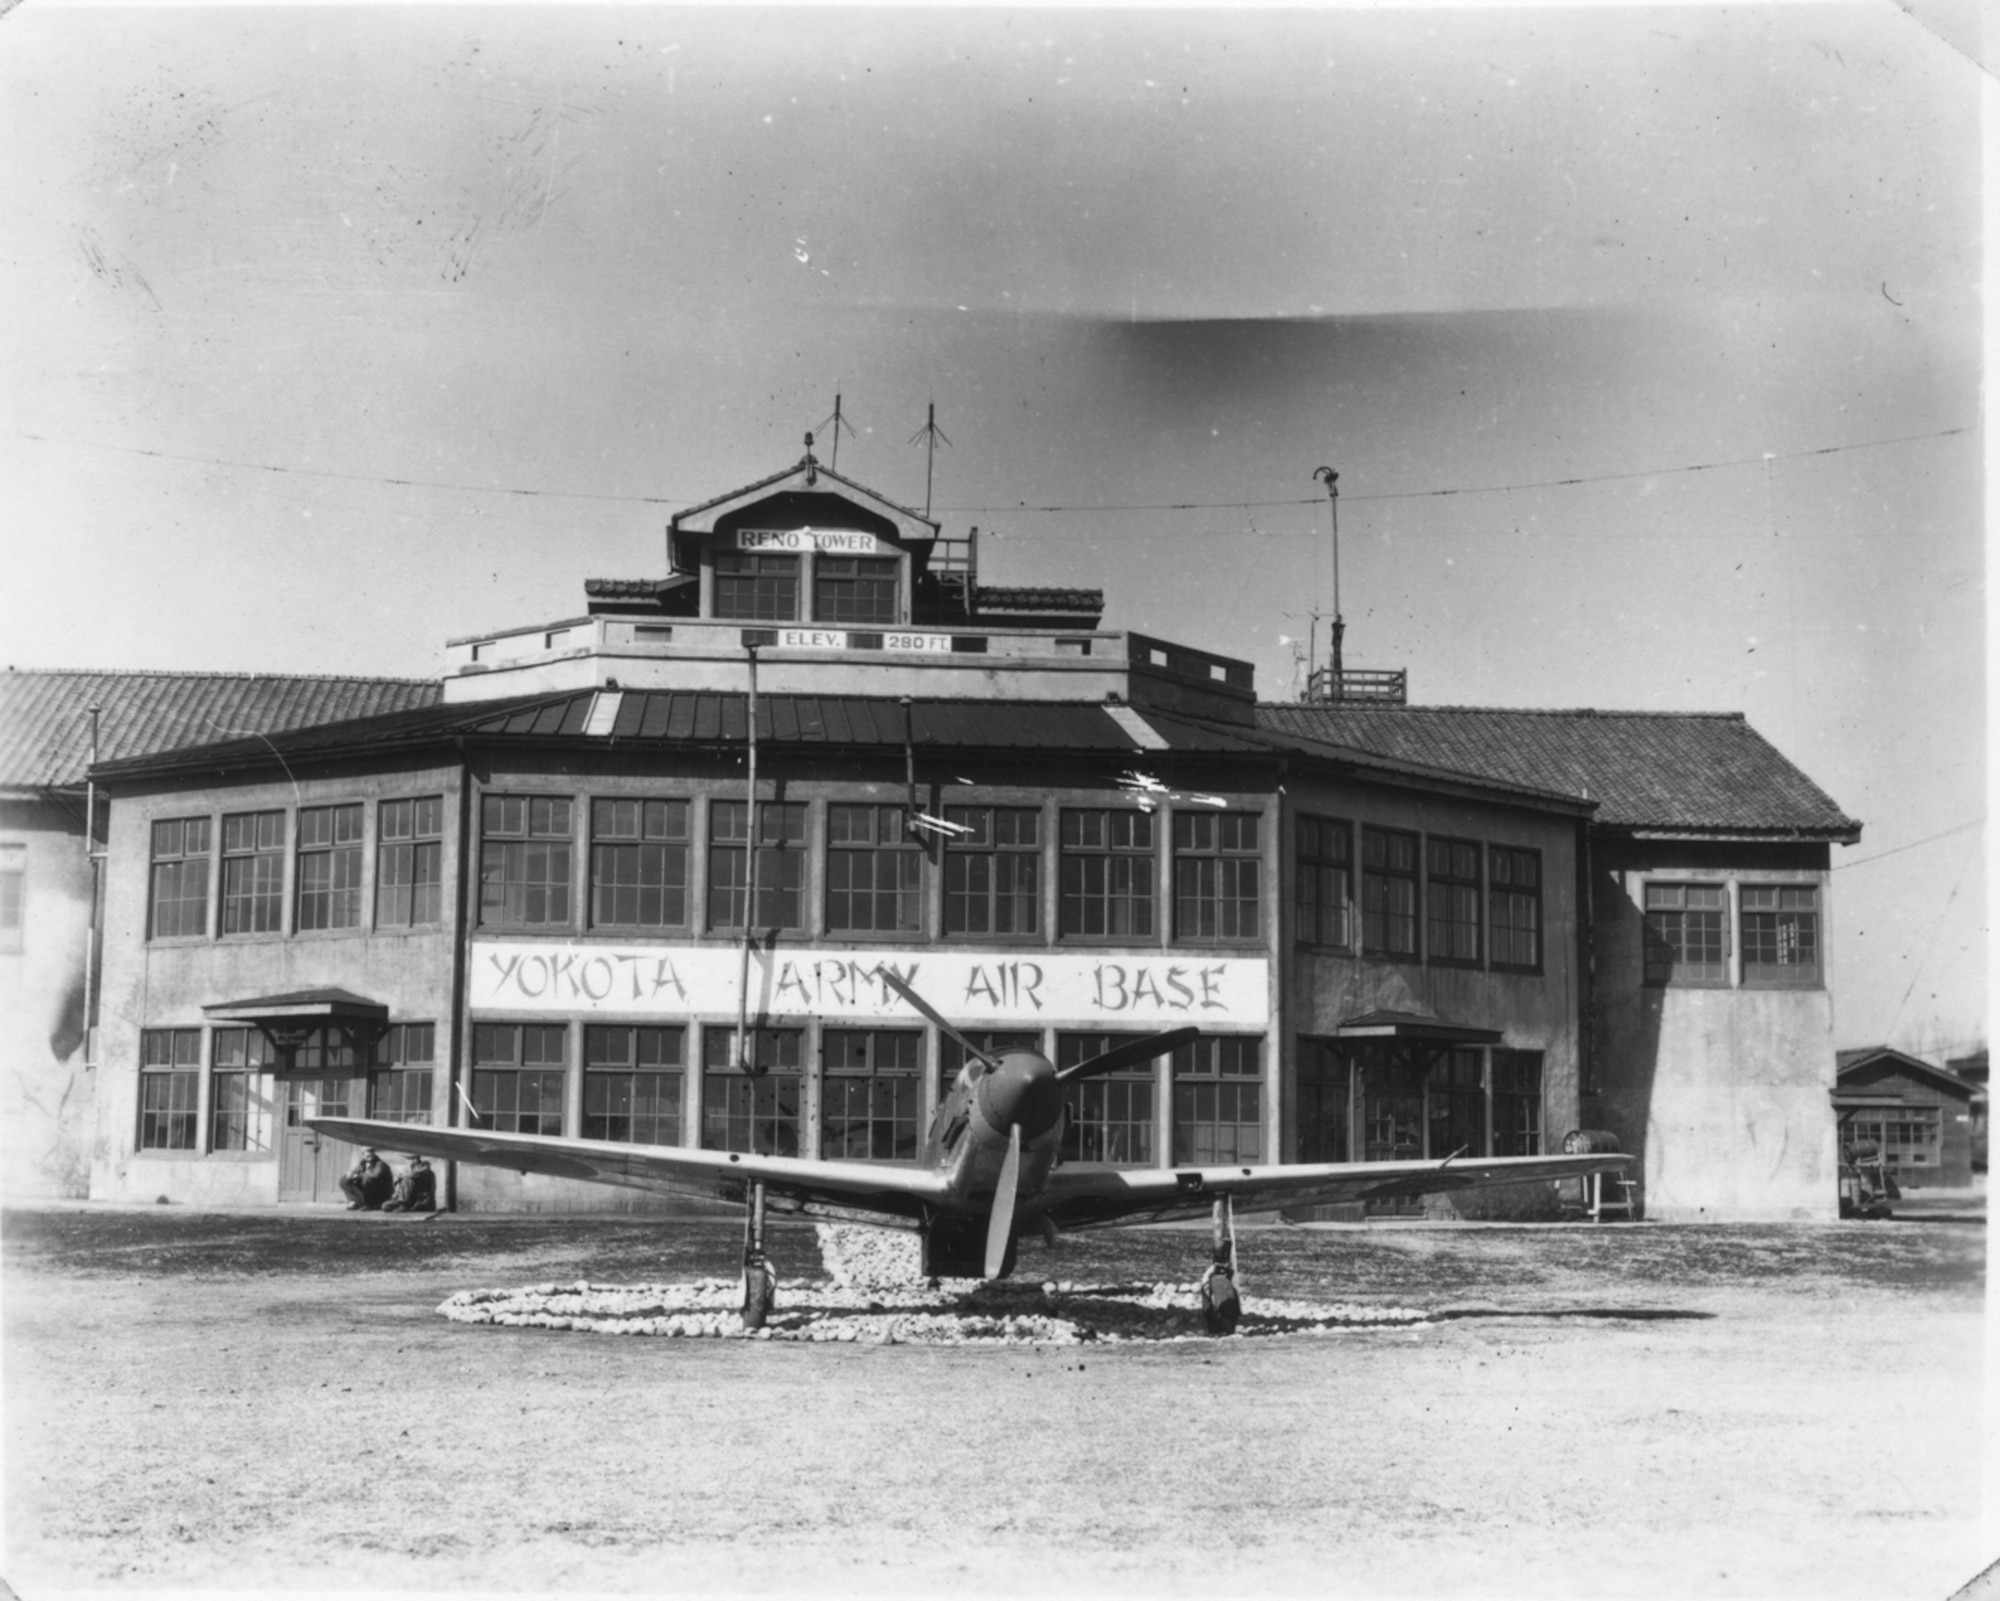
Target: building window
[399,1085]
[868,1094]
[781,864]
[1517,1103]
[638,863]
[855,589]
[1108,1119]
[1907,1136]
[994,1042]
[518,1071]
[1388,893]
[1781,935]
[169,1088]
[330,867]
[993,870]
[632,1081]
[873,872]
[13,894]
[1392,1107]
[1323,1102]
[409,862]
[524,866]
[1452,896]
[1514,901]
[1455,1097]
[1686,938]
[1325,882]
[1219,1101]
[756,1111]
[1105,882]
[755,587]
[253,873]
[180,877]
[238,1111]
[1217,875]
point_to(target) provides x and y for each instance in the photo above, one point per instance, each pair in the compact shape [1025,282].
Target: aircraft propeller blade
[1000,1226]
[1143,1050]
[937,1017]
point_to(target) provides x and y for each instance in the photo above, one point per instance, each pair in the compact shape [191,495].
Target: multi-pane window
[324,1050]
[638,863]
[755,1111]
[755,586]
[1452,898]
[1217,875]
[517,1077]
[399,1083]
[1324,1079]
[1219,1101]
[781,864]
[169,1088]
[1105,879]
[330,866]
[409,862]
[1780,934]
[1107,1119]
[13,894]
[238,1111]
[1907,1136]
[1456,1103]
[1514,906]
[1687,934]
[1388,892]
[868,1094]
[1517,1103]
[1325,882]
[180,877]
[994,1042]
[854,589]
[873,872]
[524,860]
[993,870]
[632,1080]
[1392,1109]
[253,873]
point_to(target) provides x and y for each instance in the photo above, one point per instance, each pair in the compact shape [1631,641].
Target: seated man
[416,1190]
[368,1183]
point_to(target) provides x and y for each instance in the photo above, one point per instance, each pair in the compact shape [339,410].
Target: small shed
[1919,1116]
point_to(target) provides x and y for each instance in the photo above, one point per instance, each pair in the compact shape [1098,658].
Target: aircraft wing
[1080,1198]
[860,1192]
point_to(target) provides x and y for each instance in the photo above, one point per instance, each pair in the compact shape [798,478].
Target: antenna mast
[838,422]
[930,433]
[1331,479]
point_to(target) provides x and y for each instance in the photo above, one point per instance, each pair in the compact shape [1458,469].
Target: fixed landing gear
[760,1282]
[1221,1306]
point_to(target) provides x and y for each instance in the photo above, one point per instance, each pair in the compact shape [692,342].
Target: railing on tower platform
[1375,686]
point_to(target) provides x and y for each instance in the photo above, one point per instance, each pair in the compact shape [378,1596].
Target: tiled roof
[988,597]
[1667,771]
[813,469]
[634,588]
[45,727]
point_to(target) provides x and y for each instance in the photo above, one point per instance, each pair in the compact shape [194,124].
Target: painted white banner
[841,541]
[971,988]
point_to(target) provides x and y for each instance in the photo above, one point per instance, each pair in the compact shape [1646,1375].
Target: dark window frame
[761,1112]
[1673,923]
[327,893]
[865,841]
[527,860]
[990,879]
[1218,879]
[751,586]
[258,903]
[1454,895]
[1517,1102]
[409,862]
[1511,892]
[173,867]
[170,1090]
[1110,1120]
[1772,936]
[1106,876]
[518,1085]
[1455,1113]
[863,591]
[1323,882]
[641,846]
[635,1083]
[1385,880]
[1218,1099]
[782,861]
[871,1083]
[237,1057]
[402,1073]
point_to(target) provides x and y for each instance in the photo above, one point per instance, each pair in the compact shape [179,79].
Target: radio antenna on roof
[930,433]
[838,422]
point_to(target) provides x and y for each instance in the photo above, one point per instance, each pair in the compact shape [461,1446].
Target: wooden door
[310,1164]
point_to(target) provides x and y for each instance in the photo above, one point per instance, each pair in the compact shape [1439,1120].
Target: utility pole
[1331,479]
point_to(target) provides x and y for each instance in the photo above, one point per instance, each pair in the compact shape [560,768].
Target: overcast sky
[333,332]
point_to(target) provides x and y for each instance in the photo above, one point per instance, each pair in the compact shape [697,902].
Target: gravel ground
[252,1400]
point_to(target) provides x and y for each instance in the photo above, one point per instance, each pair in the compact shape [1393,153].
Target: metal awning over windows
[314,1030]
[1413,1028]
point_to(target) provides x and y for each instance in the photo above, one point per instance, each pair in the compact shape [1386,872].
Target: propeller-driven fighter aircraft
[987,1174]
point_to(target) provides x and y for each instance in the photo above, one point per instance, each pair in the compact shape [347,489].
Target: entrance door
[310,1164]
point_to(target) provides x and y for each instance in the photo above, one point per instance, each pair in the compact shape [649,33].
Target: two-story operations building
[525,907]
